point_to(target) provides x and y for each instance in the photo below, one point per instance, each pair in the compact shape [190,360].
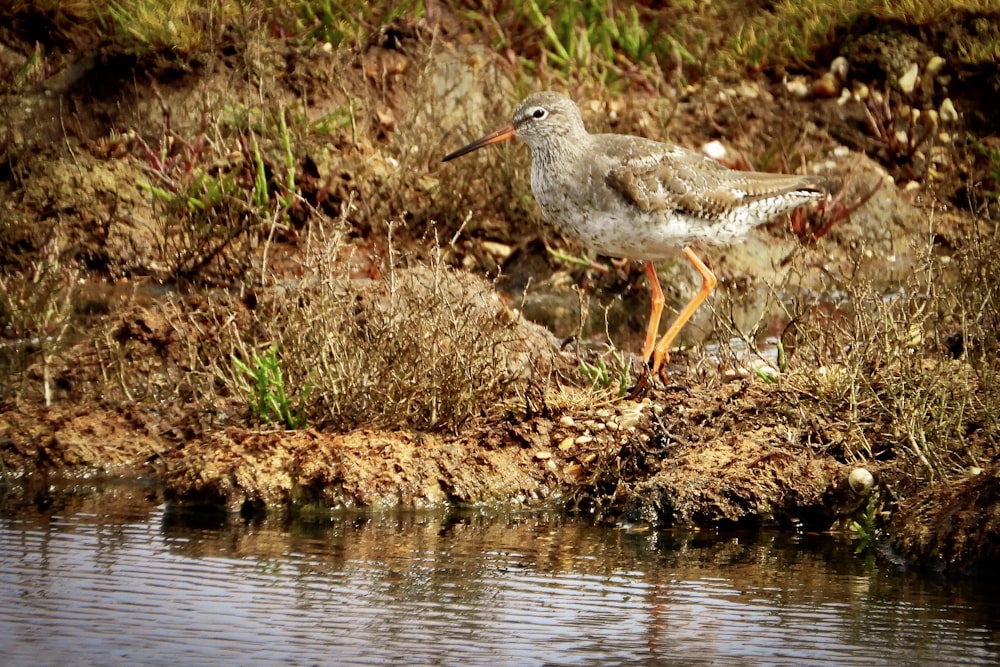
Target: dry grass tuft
[425,348]
[910,375]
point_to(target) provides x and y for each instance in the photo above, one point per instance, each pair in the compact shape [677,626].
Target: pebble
[948,112]
[630,417]
[908,81]
[934,65]
[839,68]
[797,87]
[498,250]
[827,85]
[714,150]
[861,481]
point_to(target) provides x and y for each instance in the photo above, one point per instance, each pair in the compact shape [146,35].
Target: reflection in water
[114,577]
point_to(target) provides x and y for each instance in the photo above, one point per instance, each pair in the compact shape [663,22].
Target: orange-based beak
[503,134]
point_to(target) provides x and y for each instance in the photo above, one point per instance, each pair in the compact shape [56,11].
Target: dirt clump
[953,525]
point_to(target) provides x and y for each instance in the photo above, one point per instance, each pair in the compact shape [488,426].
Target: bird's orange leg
[654,314]
[708,283]
[636,392]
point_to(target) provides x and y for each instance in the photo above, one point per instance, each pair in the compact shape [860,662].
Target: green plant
[591,34]
[268,398]
[865,527]
[600,376]
[336,23]
[36,312]
[220,191]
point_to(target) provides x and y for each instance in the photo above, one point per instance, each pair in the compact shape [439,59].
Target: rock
[934,66]
[797,88]
[839,68]
[862,482]
[908,81]
[828,85]
[948,113]
[715,150]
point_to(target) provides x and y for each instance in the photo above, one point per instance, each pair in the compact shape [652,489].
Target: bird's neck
[559,151]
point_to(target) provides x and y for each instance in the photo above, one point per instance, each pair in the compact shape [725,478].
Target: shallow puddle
[117,577]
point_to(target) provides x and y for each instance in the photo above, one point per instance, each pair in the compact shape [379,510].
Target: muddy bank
[952,526]
[623,460]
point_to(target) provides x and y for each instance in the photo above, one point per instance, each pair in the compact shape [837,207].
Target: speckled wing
[673,179]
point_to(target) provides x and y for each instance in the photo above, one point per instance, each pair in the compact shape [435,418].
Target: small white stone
[714,150]
[839,67]
[948,112]
[566,421]
[630,418]
[497,249]
[861,481]
[934,65]
[908,81]
[797,88]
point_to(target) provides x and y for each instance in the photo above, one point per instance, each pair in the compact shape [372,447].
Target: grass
[606,379]
[193,28]
[592,34]
[910,375]
[604,39]
[426,348]
[36,312]
[222,191]
[268,398]
[792,32]
[866,527]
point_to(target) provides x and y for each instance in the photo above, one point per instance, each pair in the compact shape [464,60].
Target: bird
[639,199]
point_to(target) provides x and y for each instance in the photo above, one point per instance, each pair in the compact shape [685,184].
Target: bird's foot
[638,391]
[641,388]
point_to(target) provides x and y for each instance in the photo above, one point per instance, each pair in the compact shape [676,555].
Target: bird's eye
[539,113]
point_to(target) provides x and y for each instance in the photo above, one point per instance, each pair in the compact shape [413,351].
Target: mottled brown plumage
[626,196]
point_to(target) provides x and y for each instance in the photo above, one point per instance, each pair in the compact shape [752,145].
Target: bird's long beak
[503,134]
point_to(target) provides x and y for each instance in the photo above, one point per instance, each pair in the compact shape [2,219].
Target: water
[116,577]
